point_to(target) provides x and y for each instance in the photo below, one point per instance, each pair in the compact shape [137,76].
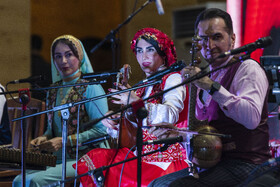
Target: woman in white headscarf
[69,62]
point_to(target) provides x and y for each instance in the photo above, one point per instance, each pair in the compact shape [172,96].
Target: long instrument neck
[193,123]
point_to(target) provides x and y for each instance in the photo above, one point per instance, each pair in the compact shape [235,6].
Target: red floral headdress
[165,44]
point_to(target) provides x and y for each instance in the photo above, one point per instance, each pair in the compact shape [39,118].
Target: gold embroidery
[75,42]
[63,98]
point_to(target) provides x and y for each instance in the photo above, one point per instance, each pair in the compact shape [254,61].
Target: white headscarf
[85,63]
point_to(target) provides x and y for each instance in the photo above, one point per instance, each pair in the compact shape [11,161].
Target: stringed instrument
[194,123]
[127,132]
[204,150]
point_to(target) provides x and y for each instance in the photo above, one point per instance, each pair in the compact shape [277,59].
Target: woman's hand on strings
[123,98]
[51,145]
[112,121]
[37,141]
[164,130]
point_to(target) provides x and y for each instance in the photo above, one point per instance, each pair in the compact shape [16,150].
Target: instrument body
[203,150]
[127,134]
[32,158]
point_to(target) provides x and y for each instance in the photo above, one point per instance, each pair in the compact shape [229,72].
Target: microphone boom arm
[114,31]
[55,87]
[68,105]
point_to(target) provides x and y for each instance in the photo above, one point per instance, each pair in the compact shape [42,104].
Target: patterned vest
[174,152]
[75,95]
[244,144]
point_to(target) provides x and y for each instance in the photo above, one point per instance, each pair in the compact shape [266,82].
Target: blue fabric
[35,178]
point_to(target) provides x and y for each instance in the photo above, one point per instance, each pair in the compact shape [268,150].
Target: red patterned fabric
[174,152]
[165,44]
[102,157]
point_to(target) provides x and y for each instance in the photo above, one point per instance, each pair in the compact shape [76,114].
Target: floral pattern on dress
[174,152]
[76,94]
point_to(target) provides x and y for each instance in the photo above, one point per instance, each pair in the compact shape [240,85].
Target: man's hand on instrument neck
[204,83]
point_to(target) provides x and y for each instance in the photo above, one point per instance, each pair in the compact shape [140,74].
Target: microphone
[177,66]
[29,79]
[260,43]
[95,140]
[98,75]
[159,7]
[168,141]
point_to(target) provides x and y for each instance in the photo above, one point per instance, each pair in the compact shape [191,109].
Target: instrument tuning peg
[198,47]
[198,60]
[196,38]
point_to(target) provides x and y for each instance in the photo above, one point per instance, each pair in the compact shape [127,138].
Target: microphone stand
[61,86]
[65,117]
[24,97]
[68,105]
[112,35]
[139,112]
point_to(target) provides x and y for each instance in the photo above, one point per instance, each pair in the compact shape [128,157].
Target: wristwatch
[214,87]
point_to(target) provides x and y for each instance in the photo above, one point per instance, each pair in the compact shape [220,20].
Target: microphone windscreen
[263,42]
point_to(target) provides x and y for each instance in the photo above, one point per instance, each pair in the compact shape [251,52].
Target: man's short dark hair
[215,13]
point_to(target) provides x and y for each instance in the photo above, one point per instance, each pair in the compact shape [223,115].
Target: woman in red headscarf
[154,52]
